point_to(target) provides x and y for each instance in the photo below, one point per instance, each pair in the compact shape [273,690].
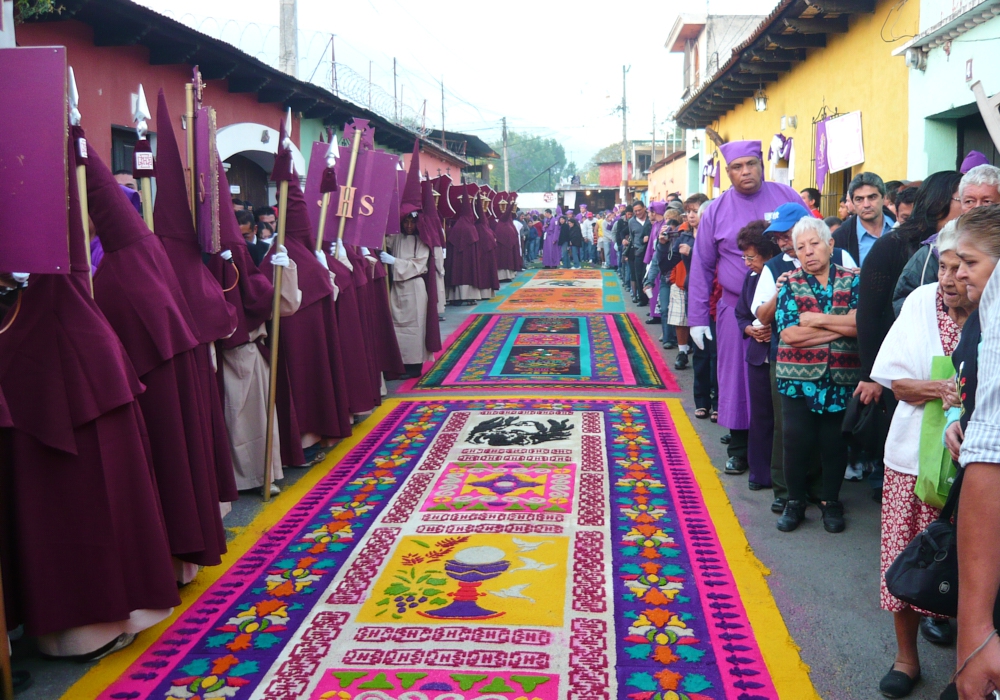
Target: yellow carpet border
[789,673]
[110,668]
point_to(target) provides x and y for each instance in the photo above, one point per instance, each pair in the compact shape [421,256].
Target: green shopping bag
[936,472]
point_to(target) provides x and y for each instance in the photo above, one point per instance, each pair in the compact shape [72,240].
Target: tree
[529,156]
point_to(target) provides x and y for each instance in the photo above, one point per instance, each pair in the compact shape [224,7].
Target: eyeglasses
[974,203]
[748,258]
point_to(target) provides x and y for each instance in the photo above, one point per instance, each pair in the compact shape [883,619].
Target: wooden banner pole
[272,390]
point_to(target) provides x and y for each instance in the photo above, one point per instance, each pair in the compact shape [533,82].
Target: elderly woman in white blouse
[929,325]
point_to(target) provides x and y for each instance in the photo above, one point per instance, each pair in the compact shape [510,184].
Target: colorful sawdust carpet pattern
[501,352]
[584,290]
[516,549]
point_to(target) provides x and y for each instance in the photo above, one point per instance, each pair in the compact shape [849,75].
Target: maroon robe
[507,238]
[309,357]
[82,536]
[461,264]
[363,287]
[387,346]
[364,390]
[488,279]
[139,293]
[429,230]
[214,317]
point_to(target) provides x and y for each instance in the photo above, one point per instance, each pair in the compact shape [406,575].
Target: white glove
[386,258]
[321,256]
[280,257]
[365,251]
[338,251]
[227,254]
[699,334]
[444,253]
[20,277]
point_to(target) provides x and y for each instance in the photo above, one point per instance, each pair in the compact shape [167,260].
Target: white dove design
[531,565]
[513,592]
[523,546]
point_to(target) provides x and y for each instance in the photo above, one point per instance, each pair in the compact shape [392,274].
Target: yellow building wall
[855,71]
[672,177]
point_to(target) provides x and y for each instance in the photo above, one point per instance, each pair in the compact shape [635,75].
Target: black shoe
[22,681]
[682,361]
[670,345]
[937,631]
[643,301]
[726,439]
[897,684]
[877,495]
[833,516]
[655,321]
[792,516]
[778,505]
[754,486]
[736,466]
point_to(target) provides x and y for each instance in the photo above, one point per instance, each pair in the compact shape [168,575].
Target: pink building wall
[611,174]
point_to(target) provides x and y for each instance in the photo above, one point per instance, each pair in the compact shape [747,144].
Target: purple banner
[34,230]
[207,180]
[369,198]
[822,165]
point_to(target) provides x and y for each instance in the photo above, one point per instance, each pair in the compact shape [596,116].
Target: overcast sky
[554,69]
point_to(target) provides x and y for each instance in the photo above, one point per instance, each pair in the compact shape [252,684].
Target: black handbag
[866,426]
[925,574]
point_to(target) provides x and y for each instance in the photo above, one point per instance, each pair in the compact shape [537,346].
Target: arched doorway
[250,150]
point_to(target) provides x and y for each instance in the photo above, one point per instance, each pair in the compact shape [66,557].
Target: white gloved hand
[699,334]
[444,253]
[21,277]
[338,251]
[386,258]
[280,257]
[227,254]
[321,256]
[365,251]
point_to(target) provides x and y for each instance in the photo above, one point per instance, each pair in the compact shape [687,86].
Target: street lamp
[490,166]
[760,99]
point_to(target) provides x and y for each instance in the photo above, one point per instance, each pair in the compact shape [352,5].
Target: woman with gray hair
[929,326]
[817,369]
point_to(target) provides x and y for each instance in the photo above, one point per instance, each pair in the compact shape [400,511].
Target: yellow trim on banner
[789,673]
[110,668]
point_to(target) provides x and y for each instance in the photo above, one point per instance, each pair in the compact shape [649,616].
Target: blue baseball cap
[785,217]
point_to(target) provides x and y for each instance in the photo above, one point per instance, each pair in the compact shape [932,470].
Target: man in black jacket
[639,230]
[859,231]
[258,248]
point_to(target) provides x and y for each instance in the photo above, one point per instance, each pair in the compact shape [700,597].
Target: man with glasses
[980,187]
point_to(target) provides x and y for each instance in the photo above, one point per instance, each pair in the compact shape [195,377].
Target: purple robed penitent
[363,395]
[214,317]
[551,252]
[82,537]
[715,250]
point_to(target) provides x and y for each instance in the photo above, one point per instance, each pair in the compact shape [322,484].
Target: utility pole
[624,187]
[333,65]
[506,170]
[423,121]
[442,112]
[395,102]
[369,84]
[288,37]
[652,158]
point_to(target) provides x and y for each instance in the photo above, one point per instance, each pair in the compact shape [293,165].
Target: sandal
[701,413]
[714,417]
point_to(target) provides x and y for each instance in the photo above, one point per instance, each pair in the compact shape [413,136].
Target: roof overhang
[781,41]
[686,28]
[967,16]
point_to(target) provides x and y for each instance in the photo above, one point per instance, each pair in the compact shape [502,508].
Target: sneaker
[682,361]
[792,516]
[736,465]
[833,516]
[275,490]
[854,472]
[670,345]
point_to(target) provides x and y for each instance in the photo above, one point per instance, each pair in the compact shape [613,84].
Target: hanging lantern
[760,99]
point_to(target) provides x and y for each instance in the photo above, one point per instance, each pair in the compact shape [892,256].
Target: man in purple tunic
[717,255]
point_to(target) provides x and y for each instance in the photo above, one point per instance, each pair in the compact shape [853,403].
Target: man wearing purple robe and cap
[716,254]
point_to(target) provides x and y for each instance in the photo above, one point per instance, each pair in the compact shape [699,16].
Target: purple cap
[740,149]
[658,207]
[973,159]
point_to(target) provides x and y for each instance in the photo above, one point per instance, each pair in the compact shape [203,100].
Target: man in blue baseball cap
[782,221]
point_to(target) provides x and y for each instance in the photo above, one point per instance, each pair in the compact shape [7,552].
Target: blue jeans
[533,248]
[570,252]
